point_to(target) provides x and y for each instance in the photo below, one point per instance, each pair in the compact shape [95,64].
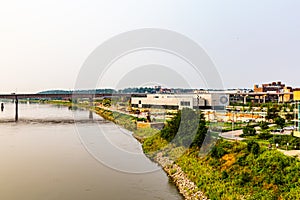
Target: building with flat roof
[273,89]
[296,93]
[179,101]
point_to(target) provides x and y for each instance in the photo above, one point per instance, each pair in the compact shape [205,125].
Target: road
[291,152]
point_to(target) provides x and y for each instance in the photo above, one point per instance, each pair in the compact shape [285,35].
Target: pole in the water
[91,105]
[2,107]
[17,109]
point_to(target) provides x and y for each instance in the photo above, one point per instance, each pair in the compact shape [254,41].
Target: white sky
[43,44]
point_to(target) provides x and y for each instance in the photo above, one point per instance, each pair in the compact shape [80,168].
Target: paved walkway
[232,135]
[291,152]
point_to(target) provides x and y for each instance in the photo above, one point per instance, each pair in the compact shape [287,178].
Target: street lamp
[298,119]
[295,111]
[232,124]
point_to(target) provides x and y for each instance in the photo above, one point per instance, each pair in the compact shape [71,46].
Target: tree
[272,113]
[250,108]
[171,129]
[187,128]
[249,131]
[253,147]
[264,125]
[289,116]
[218,152]
[280,122]
[106,102]
[265,135]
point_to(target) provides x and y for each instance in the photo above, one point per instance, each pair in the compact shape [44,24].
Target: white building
[179,101]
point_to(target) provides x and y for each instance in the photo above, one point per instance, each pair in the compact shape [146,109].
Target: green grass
[237,174]
[237,126]
[146,132]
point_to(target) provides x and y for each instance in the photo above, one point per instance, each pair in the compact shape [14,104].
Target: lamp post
[232,124]
[298,108]
[295,111]
[297,119]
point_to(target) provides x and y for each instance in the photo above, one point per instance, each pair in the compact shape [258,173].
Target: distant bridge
[89,96]
[63,96]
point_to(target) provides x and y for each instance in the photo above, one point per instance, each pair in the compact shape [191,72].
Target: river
[47,156]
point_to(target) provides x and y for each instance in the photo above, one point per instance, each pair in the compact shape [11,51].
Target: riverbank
[186,187]
[232,170]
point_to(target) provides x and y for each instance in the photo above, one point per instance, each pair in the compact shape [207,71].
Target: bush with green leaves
[280,121]
[272,112]
[263,125]
[253,147]
[217,152]
[224,175]
[243,175]
[248,131]
[265,135]
[282,140]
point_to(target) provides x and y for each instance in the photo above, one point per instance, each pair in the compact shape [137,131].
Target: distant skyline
[43,44]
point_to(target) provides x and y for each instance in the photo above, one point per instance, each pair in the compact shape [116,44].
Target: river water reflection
[43,157]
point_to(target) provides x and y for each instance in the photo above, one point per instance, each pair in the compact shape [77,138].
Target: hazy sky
[43,44]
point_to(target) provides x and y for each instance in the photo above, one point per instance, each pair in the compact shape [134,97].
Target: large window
[185,103]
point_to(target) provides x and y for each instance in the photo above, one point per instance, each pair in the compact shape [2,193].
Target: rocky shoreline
[186,187]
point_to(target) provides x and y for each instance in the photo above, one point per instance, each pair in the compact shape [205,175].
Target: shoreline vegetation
[232,169]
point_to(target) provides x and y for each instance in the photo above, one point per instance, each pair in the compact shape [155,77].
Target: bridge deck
[65,96]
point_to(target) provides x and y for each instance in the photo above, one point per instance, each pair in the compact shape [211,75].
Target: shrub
[245,178]
[253,147]
[214,163]
[264,125]
[265,135]
[280,121]
[242,160]
[224,175]
[217,152]
[249,131]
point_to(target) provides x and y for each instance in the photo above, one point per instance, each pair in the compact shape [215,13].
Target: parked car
[289,128]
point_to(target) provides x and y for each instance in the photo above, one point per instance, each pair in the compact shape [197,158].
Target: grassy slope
[239,174]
